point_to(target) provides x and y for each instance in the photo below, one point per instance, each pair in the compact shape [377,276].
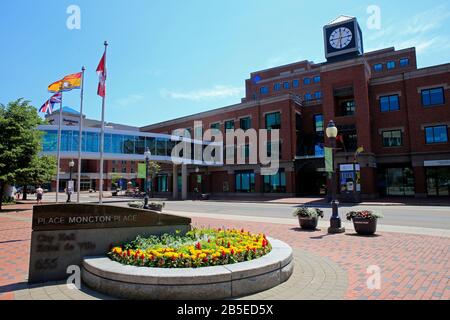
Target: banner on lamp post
[141,171]
[328,159]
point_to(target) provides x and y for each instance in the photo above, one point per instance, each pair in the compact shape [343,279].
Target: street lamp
[69,188]
[335,221]
[147,155]
[197,170]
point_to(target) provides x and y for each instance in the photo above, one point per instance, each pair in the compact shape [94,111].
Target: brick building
[380,101]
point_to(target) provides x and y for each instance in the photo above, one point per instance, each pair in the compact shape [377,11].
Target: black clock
[343,39]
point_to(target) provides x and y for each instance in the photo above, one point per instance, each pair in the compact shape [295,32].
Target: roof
[341,18]
[67,109]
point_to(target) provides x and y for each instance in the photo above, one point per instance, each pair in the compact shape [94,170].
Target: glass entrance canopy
[118,145]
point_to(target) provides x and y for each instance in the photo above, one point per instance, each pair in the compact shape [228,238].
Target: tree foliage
[19,140]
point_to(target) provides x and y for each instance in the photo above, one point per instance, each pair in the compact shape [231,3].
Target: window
[307,81]
[404,62]
[348,108]
[318,122]
[392,138]
[316,79]
[295,83]
[389,103]
[245,181]
[433,97]
[436,134]
[229,125]
[275,183]
[286,85]
[162,185]
[318,95]
[308,97]
[273,121]
[399,182]
[438,181]
[215,126]
[378,67]
[245,123]
[390,65]
[277,86]
[269,149]
[124,169]
[263,90]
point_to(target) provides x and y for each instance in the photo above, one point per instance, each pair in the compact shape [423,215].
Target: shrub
[365,214]
[140,205]
[305,212]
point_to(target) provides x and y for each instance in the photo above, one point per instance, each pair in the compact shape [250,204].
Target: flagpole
[80,135]
[59,145]
[102,138]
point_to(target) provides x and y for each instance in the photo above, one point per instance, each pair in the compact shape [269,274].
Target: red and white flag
[101,71]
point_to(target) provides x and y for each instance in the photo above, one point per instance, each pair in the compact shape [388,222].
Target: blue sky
[170,58]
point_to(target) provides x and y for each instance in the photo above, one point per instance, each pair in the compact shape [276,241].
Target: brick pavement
[327,266]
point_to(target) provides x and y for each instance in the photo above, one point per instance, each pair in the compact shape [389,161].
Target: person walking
[39,194]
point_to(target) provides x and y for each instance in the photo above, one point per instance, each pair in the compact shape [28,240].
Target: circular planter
[365,226]
[308,223]
[218,282]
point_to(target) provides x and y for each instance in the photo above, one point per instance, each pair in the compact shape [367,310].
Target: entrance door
[438,181]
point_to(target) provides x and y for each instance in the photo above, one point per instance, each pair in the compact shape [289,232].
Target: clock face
[341,38]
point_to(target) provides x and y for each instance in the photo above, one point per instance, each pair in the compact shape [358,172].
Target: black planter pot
[308,223]
[365,226]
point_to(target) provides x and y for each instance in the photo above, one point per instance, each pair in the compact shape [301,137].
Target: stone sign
[65,233]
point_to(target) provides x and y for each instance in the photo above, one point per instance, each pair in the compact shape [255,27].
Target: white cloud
[218,91]
[129,100]
[420,31]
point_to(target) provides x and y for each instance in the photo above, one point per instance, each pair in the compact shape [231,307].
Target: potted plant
[308,217]
[154,206]
[365,222]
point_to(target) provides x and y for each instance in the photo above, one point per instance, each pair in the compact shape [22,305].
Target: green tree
[41,170]
[19,139]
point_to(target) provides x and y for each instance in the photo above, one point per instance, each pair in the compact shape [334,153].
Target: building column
[184,186]
[420,182]
[175,182]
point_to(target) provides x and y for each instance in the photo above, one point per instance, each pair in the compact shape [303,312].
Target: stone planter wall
[218,282]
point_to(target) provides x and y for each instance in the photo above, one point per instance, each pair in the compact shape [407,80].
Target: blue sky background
[170,58]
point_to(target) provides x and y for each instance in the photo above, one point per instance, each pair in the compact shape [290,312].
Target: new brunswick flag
[70,82]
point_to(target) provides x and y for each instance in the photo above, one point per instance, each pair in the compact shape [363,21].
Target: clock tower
[343,39]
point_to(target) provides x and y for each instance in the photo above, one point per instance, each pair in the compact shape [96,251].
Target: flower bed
[198,248]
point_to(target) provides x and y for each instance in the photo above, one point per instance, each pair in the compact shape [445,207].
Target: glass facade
[438,181]
[275,183]
[404,62]
[245,181]
[399,182]
[114,143]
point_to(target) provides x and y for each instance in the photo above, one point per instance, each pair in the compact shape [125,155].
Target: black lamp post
[335,221]
[69,191]
[147,161]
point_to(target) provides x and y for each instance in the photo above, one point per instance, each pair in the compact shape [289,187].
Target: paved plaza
[414,263]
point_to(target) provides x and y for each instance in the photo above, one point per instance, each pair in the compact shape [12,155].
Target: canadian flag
[101,71]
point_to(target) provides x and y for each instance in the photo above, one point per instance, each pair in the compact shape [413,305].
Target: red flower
[198,246]
[142,257]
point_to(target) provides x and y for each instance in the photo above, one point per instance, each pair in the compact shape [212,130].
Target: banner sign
[141,171]
[328,159]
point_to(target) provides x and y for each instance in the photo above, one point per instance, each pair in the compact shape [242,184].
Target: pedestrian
[39,194]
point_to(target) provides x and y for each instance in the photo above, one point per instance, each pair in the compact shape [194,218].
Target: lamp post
[197,170]
[335,221]
[147,161]
[69,191]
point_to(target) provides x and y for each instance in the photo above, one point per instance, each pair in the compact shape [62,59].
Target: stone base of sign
[219,282]
[64,234]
